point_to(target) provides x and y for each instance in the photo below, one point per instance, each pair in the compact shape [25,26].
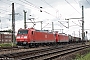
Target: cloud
[53,8]
[20,13]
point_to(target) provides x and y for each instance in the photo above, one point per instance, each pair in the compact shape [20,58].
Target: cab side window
[32,32]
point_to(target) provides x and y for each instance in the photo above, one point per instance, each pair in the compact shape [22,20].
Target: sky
[55,11]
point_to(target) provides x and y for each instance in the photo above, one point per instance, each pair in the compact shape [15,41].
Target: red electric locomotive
[32,37]
[61,38]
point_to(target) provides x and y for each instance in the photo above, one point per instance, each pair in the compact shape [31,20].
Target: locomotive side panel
[63,38]
[39,37]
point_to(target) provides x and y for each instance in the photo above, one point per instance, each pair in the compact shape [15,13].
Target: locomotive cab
[24,36]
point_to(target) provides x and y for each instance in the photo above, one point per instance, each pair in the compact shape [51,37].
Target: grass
[81,57]
[7,45]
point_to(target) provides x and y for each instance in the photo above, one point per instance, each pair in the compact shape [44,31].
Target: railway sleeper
[46,53]
[61,54]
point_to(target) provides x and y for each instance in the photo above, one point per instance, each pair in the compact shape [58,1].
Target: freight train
[32,37]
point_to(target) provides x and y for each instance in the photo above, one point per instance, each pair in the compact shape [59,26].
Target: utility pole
[41,25]
[79,33]
[24,18]
[67,22]
[82,23]
[62,30]
[52,27]
[13,23]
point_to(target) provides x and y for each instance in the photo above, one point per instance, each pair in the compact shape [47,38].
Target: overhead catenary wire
[76,24]
[38,7]
[5,18]
[48,4]
[76,1]
[73,7]
[25,3]
[54,9]
[88,2]
[20,4]
[5,2]
[15,2]
[4,10]
[33,6]
[45,25]
[51,6]
[79,22]
[62,24]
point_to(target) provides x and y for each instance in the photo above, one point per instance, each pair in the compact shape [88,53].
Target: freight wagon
[5,38]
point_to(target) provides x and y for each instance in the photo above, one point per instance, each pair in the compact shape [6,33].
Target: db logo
[45,36]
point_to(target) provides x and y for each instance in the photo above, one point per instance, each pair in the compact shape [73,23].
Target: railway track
[55,54]
[52,54]
[45,53]
[5,50]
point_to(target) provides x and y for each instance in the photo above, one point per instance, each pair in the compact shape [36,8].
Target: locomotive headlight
[25,36]
[18,37]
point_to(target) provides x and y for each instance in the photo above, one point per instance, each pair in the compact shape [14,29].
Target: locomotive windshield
[23,32]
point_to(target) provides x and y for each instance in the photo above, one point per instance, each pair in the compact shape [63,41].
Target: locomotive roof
[62,34]
[32,29]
